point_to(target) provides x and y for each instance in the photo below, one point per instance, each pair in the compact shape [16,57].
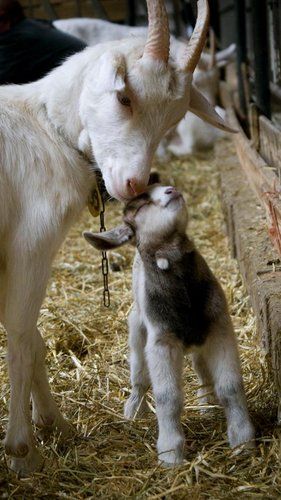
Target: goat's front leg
[27,275]
[221,357]
[164,354]
[136,404]
[20,443]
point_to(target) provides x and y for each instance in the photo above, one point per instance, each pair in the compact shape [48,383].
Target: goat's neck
[172,248]
[60,94]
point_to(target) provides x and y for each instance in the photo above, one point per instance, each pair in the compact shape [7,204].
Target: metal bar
[176,16]
[131,9]
[241,44]
[261,55]
[214,21]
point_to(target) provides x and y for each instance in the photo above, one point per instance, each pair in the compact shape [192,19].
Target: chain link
[104,261]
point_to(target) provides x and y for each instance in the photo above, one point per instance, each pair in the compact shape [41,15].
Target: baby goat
[179,305]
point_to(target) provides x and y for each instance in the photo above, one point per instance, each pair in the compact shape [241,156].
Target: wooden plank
[262,178]
[254,125]
[259,263]
[116,10]
[276,91]
[270,143]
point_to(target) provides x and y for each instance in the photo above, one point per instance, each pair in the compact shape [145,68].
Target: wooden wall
[116,10]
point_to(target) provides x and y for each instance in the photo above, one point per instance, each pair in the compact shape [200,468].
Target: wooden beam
[261,176]
[258,261]
[270,143]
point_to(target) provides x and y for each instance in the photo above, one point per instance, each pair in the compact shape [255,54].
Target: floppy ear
[223,57]
[110,239]
[111,73]
[226,55]
[201,107]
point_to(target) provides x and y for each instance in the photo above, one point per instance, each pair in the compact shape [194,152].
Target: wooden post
[261,55]
[275,39]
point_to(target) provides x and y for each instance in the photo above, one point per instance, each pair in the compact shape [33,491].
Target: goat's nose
[136,187]
[170,190]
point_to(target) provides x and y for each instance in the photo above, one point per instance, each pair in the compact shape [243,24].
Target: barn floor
[87,359]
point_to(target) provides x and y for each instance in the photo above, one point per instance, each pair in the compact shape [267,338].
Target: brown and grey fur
[179,305]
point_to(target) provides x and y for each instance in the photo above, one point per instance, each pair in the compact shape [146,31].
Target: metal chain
[104,260]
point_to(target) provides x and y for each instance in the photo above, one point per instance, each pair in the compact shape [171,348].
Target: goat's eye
[124,100]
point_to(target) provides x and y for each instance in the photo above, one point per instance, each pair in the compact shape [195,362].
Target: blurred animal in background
[30,48]
[179,306]
[104,108]
[191,134]
[93,31]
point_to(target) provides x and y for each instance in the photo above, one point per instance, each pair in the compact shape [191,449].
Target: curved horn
[198,38]
[158,40]
[212,36]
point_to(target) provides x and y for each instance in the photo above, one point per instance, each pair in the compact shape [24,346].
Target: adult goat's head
[135,94]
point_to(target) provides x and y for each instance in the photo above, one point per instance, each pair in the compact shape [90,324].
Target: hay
[87,359]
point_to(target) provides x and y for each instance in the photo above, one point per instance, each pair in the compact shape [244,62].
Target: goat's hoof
[59,426]
[244,448]
[242,438]
[18,451]
[170,458]
[135,407]
[171,454]
[33,462]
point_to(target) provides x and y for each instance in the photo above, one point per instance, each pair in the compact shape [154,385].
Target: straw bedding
[88,369]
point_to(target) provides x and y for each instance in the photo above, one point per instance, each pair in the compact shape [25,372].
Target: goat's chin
[114,193]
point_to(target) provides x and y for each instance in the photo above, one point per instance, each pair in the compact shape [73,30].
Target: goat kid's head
[135,95]
[150,219]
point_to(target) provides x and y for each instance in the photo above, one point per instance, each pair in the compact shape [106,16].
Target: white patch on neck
[162,263]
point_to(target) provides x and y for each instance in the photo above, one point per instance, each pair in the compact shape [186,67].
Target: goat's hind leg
[221,357]
[45,413]
[205,393]
[136,403]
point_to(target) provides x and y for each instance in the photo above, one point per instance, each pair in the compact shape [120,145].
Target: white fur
[94,31]
[162,263]
[191,134]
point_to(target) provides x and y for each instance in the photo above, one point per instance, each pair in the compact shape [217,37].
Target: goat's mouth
[175,198]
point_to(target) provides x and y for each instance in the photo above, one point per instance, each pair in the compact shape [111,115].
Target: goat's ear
[109,240]
[111,73]
[201,107]
[225,56]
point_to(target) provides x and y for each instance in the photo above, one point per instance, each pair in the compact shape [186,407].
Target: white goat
[179,305]
[191,134]
[111,103]
[94,31]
